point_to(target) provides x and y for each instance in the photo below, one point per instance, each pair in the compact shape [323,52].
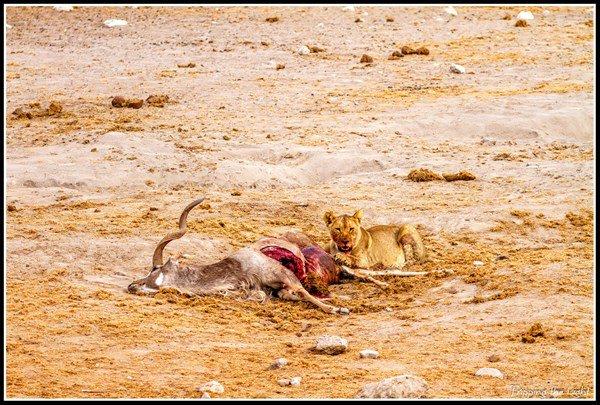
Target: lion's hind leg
[411,243]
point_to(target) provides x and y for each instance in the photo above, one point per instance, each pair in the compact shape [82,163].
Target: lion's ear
[358,215]
[328,217]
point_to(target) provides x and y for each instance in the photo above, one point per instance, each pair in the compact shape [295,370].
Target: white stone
[295,381]
[454,68]
[348,8]
[489,372]
[369,354]
[320,25]
[111,22]
[403,386]
[280,362]
[344,311]
[451,10]
[212,386]
[303,50]
[63,7]
[478,263]
[525,15]
[331,344]
[283,382]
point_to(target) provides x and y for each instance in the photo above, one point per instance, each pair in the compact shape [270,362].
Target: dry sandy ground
[91,190]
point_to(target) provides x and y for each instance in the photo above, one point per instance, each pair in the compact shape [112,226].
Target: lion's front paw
[342,259]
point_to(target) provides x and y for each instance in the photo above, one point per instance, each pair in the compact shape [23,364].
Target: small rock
[344,311]
[279,363]
[157,100]
[525,15]
[279,66]
[396,55]
[389,19]
[454,68]
[303,50]
[295,381]
[11,208]
[236,193]
[478,263]
[272,19]
[315,49]
[388,309]
[501,257]
[521,23]
[358,19]
[135,103]
[226,137]
[369,354]
[186,65]
[94,150]
[403,386]
[212,386]
[118,102]
[451,10]
[283,382]
[489,372]
[115,23]
[366,59]
[407,50]
[494,358]
[331,345]
[63,7]
[507,17]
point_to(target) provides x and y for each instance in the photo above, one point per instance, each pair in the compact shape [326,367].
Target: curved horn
[157,259]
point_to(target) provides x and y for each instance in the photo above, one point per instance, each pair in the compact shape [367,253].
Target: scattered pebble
[462,175]
[396,55]
[344,311]
[157,100]
[369,354]
[63,7]
[236,193]
[358,19]
[389,19]
[315,49]
[478,263]
[11,208]
[120,102]
[226,137]
[419,175]
[212,386]
[494,358]
[489,372]
[279,363]
[295,381]
[283,382]
[507,16]
[366,59]
[303,50]
[36,110]
[272,19]
[407,50]
[521,23]
[451,10]
[135,103]
[525,15]
[534,332]
[454,68]
[388,309]
[279,66]
[186,65]
[403,386]
[111,22]
[333,345]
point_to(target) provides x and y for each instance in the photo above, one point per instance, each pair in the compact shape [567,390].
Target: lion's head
[344,229]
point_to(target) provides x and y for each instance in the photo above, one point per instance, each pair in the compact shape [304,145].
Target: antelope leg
[305,296]
[358,273]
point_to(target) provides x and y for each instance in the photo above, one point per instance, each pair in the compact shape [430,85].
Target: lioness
[388,246]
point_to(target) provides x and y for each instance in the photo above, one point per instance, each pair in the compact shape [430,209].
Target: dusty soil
[92,188]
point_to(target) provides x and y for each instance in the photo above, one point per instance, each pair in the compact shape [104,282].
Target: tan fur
[382,245]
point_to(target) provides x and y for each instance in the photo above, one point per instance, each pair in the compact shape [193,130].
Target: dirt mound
[35,110]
